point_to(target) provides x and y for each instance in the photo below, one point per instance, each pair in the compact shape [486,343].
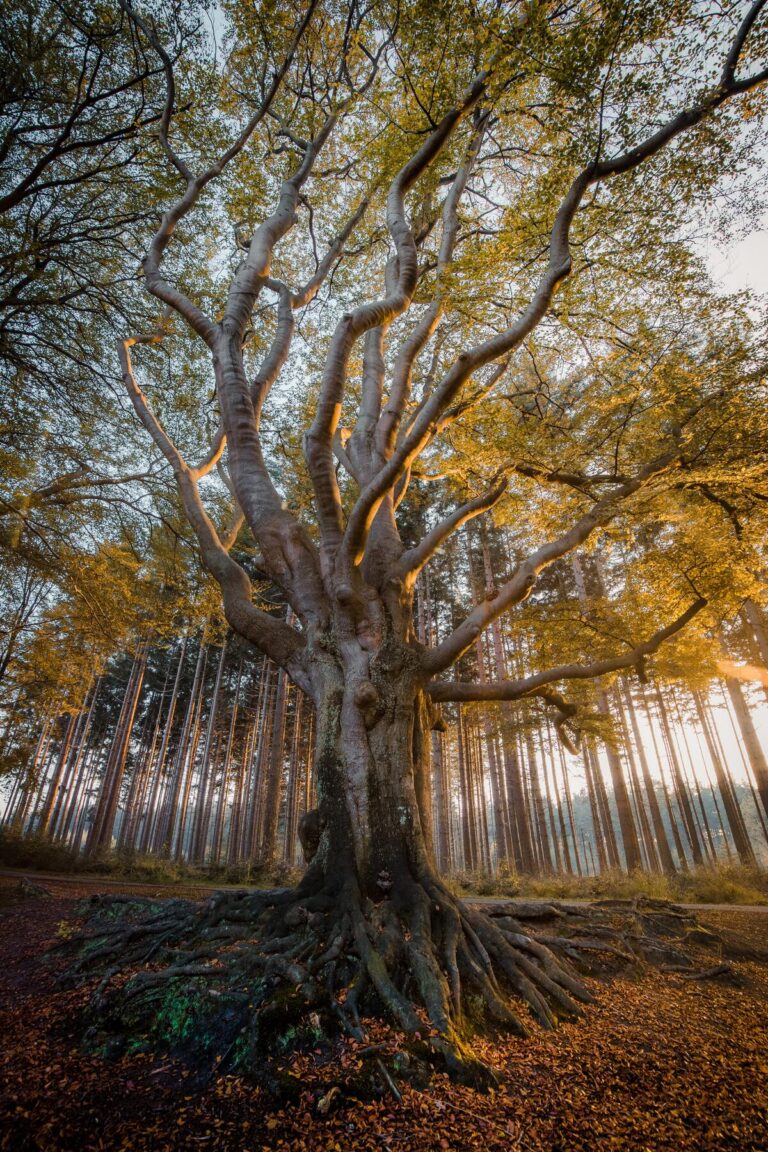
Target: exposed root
[240,979]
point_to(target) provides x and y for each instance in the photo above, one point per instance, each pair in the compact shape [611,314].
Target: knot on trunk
[345,595]
[384,881]
[368,700]
[438,721]
[311,827]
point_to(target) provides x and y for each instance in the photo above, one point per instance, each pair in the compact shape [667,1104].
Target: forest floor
[658,1063]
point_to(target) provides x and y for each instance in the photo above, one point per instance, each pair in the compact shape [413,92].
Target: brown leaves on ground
[658,1063]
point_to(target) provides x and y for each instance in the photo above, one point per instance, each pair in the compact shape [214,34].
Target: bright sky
[744,264]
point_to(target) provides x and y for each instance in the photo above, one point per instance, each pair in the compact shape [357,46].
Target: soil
[658,1063]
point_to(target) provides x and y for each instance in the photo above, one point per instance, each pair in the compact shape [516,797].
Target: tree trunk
[728,793]
[100,838]
[759,632]
[629,838]
[662,842]
[754,749]
[371,916]
[168,814]
[681,790]
[199,836]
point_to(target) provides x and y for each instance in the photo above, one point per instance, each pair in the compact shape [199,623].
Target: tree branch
[443,691]
[280,642]
[389,424]
[156,284]
[521,583]
[319,439]
[412,561]
[426,422]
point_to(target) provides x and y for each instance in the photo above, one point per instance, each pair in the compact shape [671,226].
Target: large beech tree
[383,216]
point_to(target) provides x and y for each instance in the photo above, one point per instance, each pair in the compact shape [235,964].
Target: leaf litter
[658,1064]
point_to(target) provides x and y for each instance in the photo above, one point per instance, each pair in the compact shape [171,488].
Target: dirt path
[102,883]
[98,883]
[693,907]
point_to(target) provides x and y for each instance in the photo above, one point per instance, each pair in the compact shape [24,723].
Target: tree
[492,166]
[79,100]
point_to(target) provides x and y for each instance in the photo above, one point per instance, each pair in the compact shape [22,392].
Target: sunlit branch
[319,439]
[157,285]
[558,268]
[521,583]
[389,424]
[444,691]
[414,559]
[281,643]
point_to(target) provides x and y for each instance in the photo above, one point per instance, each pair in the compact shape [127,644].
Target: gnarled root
[242,977]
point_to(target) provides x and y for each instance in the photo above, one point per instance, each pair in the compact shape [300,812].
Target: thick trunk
[372,743]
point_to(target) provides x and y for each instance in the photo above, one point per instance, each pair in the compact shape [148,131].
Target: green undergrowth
[36,853]
[724,884]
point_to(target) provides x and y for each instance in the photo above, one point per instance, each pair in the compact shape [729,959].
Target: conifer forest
[383,595]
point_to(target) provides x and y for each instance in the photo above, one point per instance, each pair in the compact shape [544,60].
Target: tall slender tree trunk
[295,782]
[274,778]
[55,785]
[207,766]
[440,775]
[539,814]
[629,839]
[569,808]
[597,823]
[167,822]
[646,836]
[681,790]
[754,749]
[100,837]
[662,843]
[727,792]
[759,632]
[469,822]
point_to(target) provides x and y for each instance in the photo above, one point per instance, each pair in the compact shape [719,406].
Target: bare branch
[157,285]
[727,80]
[213,455]
[319,439]
[412,561]
[386,433]
[521,583]
[426,422]
[442,691]
[280,642]
[170,88]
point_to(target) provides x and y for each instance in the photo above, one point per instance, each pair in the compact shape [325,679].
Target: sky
[743,264]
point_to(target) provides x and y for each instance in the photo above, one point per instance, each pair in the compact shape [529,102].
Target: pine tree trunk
[662,842]
[100,837]
[727,792]
[759,632]
[207,766]
[629,838]
[274,774]
[754,749]
[681,790]
[167,821]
